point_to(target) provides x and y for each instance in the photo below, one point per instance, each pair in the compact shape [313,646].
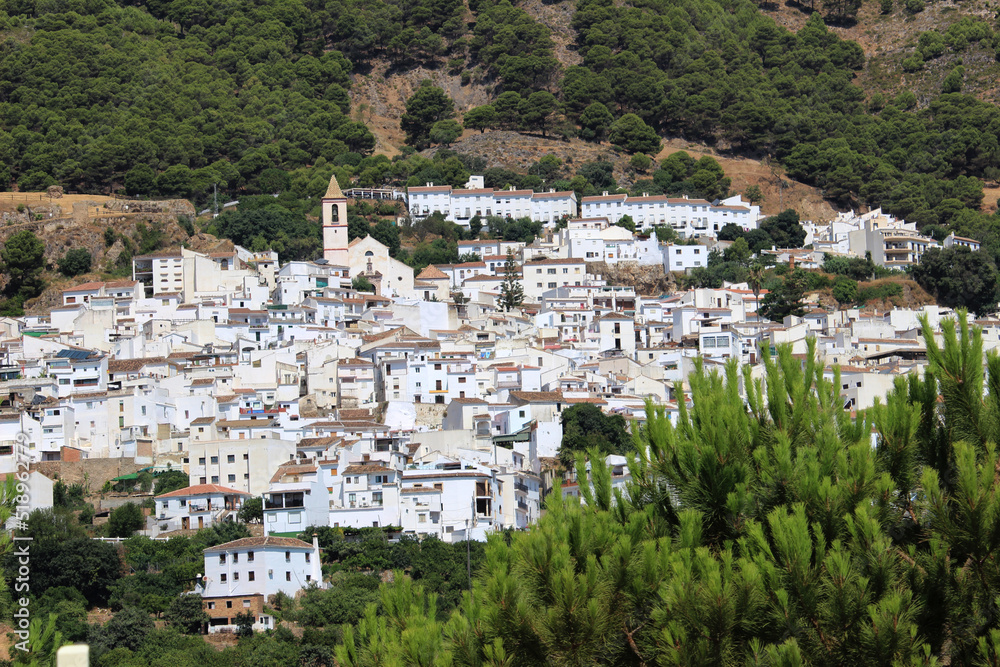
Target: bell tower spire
[335,224]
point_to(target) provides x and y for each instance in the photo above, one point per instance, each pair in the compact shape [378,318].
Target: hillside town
[425,404]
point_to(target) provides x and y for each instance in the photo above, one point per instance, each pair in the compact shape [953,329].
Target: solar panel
[73,354]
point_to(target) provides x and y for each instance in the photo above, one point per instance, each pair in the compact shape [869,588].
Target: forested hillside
[171,98]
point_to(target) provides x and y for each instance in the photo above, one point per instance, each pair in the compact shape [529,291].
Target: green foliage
[959,278]
[44,639]
[445,131]
[679,173]
[851,267]
[244,624]
[428,105]
[595,121]
[845,290]
[753,194]
[75,262]
[784,229]
[282,230]
[22,260]
[343,602]
[150,592]
[59,562]
[124,520]
[512,46]
[511,289]
[626,222]
[586,428]
[362,284]
[786,299]
[633,135]
[70,609]
[171,480]
[536,111]
[67,496]
[252,510]
[481,118]
[878,291]
[759,527]
[186,614]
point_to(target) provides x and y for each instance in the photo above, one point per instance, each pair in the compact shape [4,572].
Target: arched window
[336,213]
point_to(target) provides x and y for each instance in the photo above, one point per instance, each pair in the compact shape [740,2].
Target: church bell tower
[335,225]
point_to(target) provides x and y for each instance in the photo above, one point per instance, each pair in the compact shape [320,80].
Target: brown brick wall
[98,471]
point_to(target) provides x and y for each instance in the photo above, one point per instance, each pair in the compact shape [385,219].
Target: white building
[690,218]
[461,205]
[197,507]
[241,575]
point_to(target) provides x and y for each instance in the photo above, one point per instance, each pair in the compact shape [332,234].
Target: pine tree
[511,290]
[762,524]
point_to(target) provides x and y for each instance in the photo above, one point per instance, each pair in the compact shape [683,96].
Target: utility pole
[215,205]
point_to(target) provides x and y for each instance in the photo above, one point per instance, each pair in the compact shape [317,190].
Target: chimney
[317,570]
[430,185]
[365,457]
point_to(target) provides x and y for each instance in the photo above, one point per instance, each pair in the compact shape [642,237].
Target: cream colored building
[369,258]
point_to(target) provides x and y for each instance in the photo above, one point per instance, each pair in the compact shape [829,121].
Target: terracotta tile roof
[203,490]
[291,468]
[202,382]
[132,365]
[322,441]
[269,541]
[431,272]
[365,469]
[355,414]
[202,420]
[85,287]
[245,423]
[419,489]
[469,401]
[560,260]
[537,396]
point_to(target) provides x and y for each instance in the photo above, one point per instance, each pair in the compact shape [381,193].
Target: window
[211,605]
[222,577]
[232,478]
[222,559]
[231,458]
[201,480]
[249,556]
[288,556]
[308,557]
[215,479]
[288,576]
[215,460]
[236,576]
[250,575]
[229,603]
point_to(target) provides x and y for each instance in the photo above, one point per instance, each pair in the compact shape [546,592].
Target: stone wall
[97,471]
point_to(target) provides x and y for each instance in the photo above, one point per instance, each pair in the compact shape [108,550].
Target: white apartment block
[461,205]
[542,275]
[690,218]
[682,258]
